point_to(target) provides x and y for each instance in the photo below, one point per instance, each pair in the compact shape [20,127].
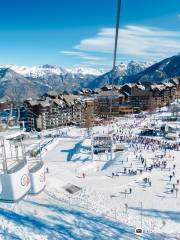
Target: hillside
[20,82]
[17,87]
[167,68]
[121,74]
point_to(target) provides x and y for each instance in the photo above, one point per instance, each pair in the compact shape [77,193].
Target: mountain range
[120,74]
[20,82]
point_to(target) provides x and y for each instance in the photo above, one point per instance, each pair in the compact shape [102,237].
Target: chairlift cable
[115,54]
[117,34]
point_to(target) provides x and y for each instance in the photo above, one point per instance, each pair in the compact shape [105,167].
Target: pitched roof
[140,86]
[59,102]
[44,103]
[174,81]
[159,87]
[33,102]
[109,94]
[168,84]
[69,99]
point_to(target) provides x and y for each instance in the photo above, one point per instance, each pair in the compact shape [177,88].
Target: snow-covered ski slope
[101,210]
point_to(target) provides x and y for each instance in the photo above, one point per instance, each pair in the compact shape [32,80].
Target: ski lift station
[102,143]
[18,176]
[36,169]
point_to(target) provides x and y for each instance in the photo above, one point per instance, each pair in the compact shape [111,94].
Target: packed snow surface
[116,196]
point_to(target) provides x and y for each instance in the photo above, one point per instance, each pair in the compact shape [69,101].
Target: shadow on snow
[68,223]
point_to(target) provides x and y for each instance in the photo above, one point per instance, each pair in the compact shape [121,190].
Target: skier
[170,177]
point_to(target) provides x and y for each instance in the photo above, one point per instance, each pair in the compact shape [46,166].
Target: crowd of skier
[125,134]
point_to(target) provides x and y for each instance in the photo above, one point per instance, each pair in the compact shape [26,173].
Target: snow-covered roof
[59,102]
[33,102]
[168,84]
[109,93]
[159,87]
[44,103]
[141,87]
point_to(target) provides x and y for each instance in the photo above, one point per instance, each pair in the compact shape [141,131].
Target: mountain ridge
[34,81]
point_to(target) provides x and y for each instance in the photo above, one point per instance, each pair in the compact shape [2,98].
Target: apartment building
[108,102]
[56,110]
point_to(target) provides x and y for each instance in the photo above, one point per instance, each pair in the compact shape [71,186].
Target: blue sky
[81,32]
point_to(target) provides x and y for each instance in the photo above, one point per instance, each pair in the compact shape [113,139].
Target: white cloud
[134,42]
[178,16]
[81,55]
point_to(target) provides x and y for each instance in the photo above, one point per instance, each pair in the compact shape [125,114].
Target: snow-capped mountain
[135,67]
[47,77]
[42,71]
[16,87]
[161,71]
[38,71]
[122,71]
[132,67]
[86,71]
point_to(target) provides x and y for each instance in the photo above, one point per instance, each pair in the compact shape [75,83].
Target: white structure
[14,175]
[37,177]
[102,143]
[36,167]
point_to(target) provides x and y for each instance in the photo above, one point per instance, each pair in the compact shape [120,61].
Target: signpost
[139,230]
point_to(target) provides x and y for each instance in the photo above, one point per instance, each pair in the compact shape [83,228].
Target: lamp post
[141,215]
